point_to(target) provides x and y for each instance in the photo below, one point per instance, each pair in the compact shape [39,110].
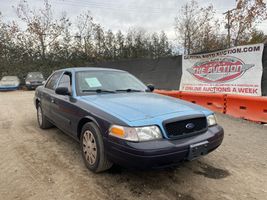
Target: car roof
[79,69]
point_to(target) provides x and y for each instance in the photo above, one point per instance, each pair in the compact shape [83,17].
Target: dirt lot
[38,164]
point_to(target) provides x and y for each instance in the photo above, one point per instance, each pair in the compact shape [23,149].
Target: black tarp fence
[163,73]
[166,73]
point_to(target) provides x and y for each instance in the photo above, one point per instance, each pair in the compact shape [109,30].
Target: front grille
[186,127]
[36,82]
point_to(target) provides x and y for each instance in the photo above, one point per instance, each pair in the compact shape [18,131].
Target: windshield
[9,78]
[106,81]
[37,75]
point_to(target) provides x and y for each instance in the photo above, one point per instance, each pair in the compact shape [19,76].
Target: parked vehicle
[34,79]
[117,119]
[9,83]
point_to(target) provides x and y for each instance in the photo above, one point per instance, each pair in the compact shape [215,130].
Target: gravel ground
[47,164]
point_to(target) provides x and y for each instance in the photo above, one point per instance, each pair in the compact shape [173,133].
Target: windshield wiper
[99,91]
[129,90]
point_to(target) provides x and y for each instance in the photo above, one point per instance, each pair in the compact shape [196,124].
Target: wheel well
[36,102]
[80,126]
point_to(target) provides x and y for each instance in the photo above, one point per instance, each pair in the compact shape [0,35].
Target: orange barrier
[171,93]
[215,102]
[247,107]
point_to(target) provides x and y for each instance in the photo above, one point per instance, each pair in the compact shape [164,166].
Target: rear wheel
[41,118]
[93,151]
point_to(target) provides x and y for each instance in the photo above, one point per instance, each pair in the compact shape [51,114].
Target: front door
[47,95]
[64,106]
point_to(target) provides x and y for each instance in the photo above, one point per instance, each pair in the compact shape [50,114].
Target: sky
[151,15]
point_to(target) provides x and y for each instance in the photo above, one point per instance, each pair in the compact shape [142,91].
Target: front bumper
[8,88]
[32,86]
[160,153]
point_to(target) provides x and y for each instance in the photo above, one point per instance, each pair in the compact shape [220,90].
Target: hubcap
[40,115]
[89,147]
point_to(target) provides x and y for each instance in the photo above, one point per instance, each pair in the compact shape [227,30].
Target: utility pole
[228,27]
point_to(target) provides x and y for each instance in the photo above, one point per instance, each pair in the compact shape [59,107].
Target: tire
[93,151]
[41,118]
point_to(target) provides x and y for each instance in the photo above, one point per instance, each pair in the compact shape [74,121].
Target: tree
[110,46]
[48,43]
[43,28]
[99,40]
[62,49]
[120,46]
[85,34]
[129,45]
[11,52]
[190,23]
[257,37]
[245,17]
[164,46]
[155,45]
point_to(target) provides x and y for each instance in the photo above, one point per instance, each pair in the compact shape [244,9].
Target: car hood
[34,79]
[140,105]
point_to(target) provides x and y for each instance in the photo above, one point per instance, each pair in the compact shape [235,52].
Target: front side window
[65,81]
[52,82]
[90,81]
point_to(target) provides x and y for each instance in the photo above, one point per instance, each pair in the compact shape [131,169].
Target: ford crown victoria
[117,119]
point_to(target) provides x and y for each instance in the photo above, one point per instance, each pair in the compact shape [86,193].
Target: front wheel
[93,151]
[41,118]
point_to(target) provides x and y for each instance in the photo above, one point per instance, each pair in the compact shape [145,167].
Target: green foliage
[244,18]
[48,43]
[196,28]
[199,31]
[257,37]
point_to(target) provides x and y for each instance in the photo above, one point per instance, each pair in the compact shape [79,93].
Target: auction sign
[237,70]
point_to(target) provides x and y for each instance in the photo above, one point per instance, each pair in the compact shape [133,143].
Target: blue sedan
[117,119]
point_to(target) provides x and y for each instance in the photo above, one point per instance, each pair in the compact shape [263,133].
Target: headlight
[136,133]
[28,83]
[211,120]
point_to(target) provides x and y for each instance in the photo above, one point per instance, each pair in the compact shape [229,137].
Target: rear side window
[52,82]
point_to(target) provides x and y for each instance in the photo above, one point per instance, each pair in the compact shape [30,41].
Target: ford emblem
[189,126]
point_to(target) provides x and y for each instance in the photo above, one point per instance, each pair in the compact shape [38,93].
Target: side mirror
[62,91]
[43,82]
[151,87]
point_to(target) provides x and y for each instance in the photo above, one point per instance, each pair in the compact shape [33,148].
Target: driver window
[65,81]
[52,82]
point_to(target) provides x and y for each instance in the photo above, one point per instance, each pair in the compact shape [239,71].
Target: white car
[9,83]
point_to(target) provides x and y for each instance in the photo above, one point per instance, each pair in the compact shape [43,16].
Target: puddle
[212,172]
